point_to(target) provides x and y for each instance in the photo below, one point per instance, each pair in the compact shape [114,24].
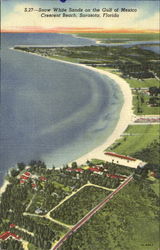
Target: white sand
[126,114]
[4,186]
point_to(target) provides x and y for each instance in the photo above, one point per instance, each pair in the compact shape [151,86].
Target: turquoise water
[51,110]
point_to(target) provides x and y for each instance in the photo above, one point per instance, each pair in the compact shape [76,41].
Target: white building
[124,160]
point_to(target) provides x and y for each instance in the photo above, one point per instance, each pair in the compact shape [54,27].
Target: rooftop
[120,156]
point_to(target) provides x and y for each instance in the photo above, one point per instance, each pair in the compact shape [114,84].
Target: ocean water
[51,110]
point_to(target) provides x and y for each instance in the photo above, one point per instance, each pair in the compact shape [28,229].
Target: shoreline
[122,124]
[3,187]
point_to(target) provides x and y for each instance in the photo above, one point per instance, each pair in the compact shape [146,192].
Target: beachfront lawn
[97,162]
[145,83]
[135,139]
[72,210]
[142,106]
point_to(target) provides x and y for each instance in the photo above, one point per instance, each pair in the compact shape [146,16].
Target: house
[34,186]
[8,234]
[24,177]
[123,160]
[79,170]
[116,176]
[27,167]
[70,169]
[27,173]
[96,171]
[42,178]
[22,182]
[38,211]
[12,225]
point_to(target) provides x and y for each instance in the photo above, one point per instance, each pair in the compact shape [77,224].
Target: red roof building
[34,185]
[27,173]
[8,234]
[116,176]
[70,169]
[120,156]
[12,225]
[80,170]
[5,235]
[24,177]
[42,178]
[22,182]
[96,170]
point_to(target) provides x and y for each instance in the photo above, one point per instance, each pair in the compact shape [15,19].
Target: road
[91,213]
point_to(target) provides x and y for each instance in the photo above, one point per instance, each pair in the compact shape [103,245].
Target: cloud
[151,22]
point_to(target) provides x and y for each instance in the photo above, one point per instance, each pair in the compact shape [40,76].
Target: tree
[74,164]
[21,166]
[14,172]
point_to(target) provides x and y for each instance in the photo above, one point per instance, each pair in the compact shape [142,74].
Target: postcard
[79,141]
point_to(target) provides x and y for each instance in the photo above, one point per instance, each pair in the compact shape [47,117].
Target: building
[24,177]
[78,170]
[96,171]
[127,161]
[113,176]
[22,182]
[8,234]
[42,178]
[12,225]
[27,174]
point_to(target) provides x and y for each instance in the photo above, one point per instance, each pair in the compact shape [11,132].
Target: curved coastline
[125,118]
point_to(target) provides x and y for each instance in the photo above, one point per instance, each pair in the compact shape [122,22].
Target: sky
[14,18]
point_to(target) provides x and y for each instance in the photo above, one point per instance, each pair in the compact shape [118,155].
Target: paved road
[91,213]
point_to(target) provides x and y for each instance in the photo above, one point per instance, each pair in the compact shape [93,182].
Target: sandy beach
[4,186]
[126,114]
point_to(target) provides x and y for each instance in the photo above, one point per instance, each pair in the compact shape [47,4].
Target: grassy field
[72,210]
[144,108]
[155,186]
[139,137]
[133,37]
[134,83]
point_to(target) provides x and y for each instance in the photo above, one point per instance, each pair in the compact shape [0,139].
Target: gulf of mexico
[53,111]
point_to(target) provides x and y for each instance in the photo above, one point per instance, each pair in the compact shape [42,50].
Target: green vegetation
[145,83]
[43,190]
[131,217]
[150,154]
[50,224]
[11,244]
[144,104]
[72,210]
[119,36]
[133,62]
[97,162]
[129,221]
[136,138]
